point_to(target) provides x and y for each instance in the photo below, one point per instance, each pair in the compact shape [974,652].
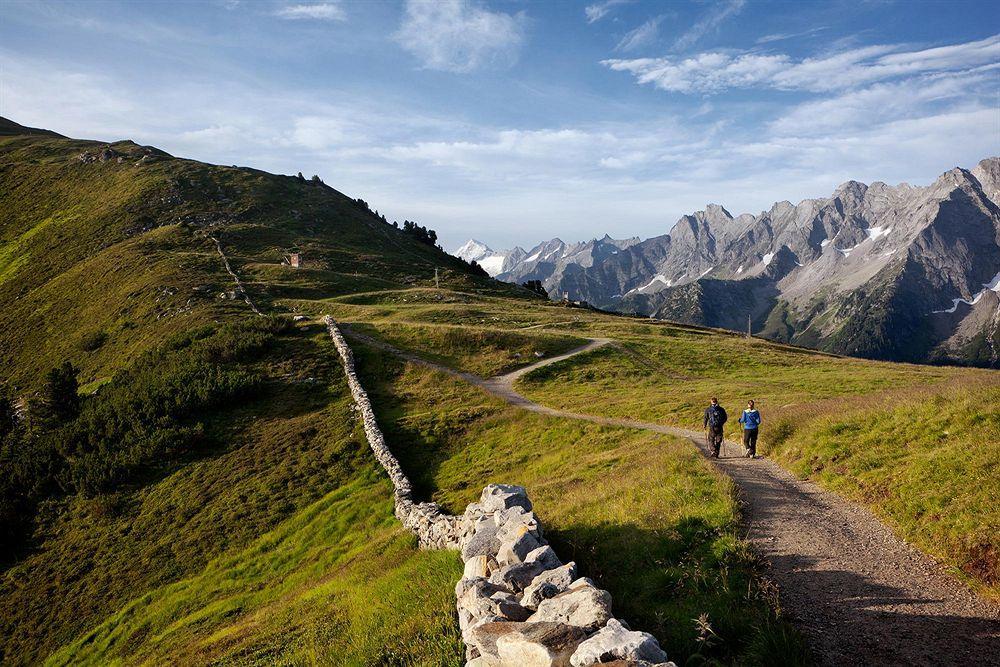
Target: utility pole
[748,326]
[437,285]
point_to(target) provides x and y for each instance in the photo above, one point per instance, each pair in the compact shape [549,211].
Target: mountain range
[901,272]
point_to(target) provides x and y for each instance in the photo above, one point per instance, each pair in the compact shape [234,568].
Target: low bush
[147,418]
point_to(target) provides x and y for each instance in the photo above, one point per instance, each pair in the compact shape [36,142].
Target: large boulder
[548,584]
[616,642]
[516,545]
[582,605]
[497,497]
[483,541]
[483,638]
[539,645]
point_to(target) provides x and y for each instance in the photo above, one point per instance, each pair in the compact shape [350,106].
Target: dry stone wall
[518,603]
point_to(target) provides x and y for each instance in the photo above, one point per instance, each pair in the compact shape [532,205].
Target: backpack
[716,416]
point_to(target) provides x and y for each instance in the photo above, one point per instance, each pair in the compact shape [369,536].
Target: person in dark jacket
[715,420]
[751,423]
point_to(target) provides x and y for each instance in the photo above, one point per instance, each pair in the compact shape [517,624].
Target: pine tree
[60,394]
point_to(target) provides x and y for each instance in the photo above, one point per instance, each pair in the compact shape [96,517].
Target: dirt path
[861,595]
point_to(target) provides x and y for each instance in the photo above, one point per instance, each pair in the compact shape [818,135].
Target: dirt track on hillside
[860,595]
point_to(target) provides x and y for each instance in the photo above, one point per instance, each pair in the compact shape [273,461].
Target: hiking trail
[860,594]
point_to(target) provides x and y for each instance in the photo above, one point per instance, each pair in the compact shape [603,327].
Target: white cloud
[644,35]
[599,10]
[576,181]
[460,36]
[324,11]
[782,36]
[714,72]
[715,17]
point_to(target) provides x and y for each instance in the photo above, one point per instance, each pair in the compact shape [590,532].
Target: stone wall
[518,604]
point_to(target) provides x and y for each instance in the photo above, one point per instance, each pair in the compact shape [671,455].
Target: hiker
[751,422]
[715,419]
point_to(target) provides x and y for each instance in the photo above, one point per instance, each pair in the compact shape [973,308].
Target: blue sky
[514,122]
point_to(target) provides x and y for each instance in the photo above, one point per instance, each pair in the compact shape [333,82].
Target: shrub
[147,418]
[93,341]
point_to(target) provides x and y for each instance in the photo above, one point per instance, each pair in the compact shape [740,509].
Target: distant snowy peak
[477,251]
[473,250]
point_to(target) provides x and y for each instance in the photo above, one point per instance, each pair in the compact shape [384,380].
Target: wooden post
[437,285]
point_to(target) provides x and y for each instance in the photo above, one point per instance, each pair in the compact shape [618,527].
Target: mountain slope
[118,241]
[891,272]
[206,433]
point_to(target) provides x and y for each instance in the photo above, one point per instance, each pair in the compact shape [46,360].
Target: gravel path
[861,595]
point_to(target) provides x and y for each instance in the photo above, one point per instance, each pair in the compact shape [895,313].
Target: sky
[514,122]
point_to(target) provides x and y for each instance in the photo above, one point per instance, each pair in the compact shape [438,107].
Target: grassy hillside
[115,243]
[211,500]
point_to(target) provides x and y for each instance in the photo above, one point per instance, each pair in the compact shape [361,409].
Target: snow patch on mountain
[993,285]
[874,233]
[658,278]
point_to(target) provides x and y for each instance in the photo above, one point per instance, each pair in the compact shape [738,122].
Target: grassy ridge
[903,439]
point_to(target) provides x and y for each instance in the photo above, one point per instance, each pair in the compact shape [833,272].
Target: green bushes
[147,418]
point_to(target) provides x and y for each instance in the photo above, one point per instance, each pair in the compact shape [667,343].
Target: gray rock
[517,546]
[484,638]
[484,540]
[548,584]
[539,645]
[616,642]
[544,556]
[502,496]
[582,605]
[516,575]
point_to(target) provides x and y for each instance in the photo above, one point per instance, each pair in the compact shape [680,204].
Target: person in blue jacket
[751,423]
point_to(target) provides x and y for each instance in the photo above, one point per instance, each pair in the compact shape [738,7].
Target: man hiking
[715,419]
[751,422]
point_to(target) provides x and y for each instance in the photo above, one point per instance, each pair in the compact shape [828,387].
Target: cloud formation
[645,35]
[718,15]
[715,72]
[324,11]
[599,10]
[460,36]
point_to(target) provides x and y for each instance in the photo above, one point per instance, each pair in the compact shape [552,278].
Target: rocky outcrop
[517,603]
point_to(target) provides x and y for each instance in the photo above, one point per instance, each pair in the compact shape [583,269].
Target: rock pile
[518,603]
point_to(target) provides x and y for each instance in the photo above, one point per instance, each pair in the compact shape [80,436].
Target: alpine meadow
[248,419]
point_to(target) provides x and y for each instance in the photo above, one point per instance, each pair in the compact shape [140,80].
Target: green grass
[269,547]
[479,350]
